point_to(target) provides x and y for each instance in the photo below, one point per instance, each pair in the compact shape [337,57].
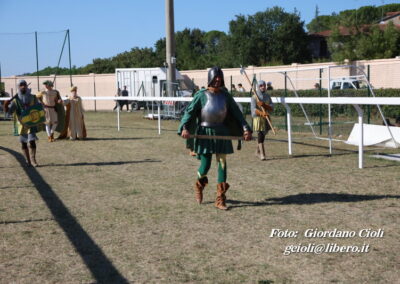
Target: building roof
[345,31]
[390,15]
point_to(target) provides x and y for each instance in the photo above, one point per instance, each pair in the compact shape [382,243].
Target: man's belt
[49,106]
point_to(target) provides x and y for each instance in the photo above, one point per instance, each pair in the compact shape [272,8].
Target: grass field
[120,208]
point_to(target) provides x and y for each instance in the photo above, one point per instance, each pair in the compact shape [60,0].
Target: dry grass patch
[120,207]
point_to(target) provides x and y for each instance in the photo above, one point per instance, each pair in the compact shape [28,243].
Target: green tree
[370,44]
[272,36]
[379,43]
[217,49]
[190,49]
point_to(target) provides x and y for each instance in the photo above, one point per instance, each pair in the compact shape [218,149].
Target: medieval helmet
[214,72]
[22,83]
[48,83]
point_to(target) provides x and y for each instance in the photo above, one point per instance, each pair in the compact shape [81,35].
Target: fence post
[369,94]
[320,106]
[286,123]
[94,91]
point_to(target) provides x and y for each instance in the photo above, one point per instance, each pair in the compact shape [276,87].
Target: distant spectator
[3,94]
[233,88]
[397,123]
[240,88]
[316,86]
[117,101]
[269,86]
[124,93]
[387,122]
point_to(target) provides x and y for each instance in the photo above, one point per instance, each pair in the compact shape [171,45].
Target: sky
[104,28]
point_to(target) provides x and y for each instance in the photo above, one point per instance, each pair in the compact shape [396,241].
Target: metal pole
[231,84]
[69,54]
[37,61]
[329,112]
[118,124]
[286,122]
[59,59]
[289,127]
[320,106]
[170,45]
[94,92]
[361,138]
[369,94]
[159,117]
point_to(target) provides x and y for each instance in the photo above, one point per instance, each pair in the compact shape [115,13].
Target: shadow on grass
[26,221]
[102,163]
[131,127]
[13,187]
[96,261]
[274,158]
[312,145]
[118,138]
[309,199]
[109,139]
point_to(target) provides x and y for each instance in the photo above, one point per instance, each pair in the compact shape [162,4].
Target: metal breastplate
[215,110]
[25,99]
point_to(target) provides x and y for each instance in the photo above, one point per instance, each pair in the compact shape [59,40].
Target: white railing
[355,101]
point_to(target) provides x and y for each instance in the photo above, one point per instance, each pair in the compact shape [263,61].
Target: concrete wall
[384,73]
[100,85]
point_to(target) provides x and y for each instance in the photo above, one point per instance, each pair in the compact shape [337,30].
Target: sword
[217,137]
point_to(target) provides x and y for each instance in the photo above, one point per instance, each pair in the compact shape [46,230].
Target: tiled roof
[348,31]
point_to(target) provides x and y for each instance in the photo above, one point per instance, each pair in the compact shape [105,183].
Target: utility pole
[37,62]
[170,46]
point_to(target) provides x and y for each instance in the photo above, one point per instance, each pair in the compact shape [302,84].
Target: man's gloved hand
[261,113]
[264,106]
[267,107]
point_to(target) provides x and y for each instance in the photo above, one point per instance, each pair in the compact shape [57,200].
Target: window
[347,85]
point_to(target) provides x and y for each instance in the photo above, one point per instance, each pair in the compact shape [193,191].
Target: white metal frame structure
[329,79]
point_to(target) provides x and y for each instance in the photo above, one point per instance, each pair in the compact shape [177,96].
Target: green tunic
[233,125]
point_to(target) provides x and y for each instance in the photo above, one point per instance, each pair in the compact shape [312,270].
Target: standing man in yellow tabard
[50,98]
[261,106]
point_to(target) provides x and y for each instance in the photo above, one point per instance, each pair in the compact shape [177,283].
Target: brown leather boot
[199,187]
[49,138]
[222,188]
[32,152]
[52,137]
[27,158]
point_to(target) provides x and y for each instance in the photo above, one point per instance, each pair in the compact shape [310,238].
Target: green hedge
[337,110]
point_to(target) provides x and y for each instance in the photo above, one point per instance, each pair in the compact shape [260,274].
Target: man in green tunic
[213,112]
[16,106]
